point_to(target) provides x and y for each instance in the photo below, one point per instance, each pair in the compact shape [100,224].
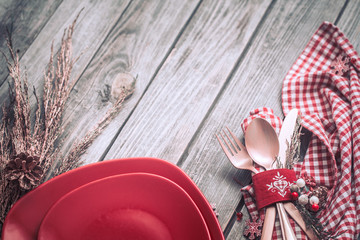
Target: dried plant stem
[313,222]
[78,149]
[35,147]
[293,148]
[35,143]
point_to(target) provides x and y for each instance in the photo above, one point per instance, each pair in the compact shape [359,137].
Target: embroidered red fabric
[273,186]
[324,85]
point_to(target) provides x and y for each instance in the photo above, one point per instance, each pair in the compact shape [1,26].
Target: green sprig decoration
[313,222]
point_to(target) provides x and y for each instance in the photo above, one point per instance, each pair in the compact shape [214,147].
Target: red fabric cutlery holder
[273,186]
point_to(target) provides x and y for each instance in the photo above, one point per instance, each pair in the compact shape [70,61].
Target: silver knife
[286,132]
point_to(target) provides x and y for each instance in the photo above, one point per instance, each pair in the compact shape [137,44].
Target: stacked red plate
[135,198]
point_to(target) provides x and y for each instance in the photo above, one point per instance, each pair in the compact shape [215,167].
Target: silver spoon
[262,144]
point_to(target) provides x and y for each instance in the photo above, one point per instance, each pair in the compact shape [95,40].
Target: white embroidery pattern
[279,184]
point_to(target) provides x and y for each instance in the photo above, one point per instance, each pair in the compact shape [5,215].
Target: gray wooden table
[200,66]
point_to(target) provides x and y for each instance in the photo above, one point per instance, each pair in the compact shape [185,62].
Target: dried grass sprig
[20,141]
[24,146]
[57,87]
[293,148]
[78,149]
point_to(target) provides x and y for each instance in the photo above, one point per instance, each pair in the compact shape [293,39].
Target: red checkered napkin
[324,85]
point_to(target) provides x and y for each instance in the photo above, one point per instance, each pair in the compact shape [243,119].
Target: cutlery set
[263,146]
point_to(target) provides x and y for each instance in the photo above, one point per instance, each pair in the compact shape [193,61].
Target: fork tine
[231,139]
[230,145]
[226,151]
[240,145]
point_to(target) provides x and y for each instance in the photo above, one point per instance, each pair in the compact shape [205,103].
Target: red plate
[23,220]
[128,206]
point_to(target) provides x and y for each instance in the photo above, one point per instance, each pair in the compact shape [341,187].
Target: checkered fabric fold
[324,85]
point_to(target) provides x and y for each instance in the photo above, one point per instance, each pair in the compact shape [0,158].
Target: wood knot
[123,85]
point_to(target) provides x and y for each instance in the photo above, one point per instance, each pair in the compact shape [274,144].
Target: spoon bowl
[262,142]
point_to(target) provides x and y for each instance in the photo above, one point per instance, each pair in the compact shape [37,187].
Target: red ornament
[315,207]
[294,195]
[239,216]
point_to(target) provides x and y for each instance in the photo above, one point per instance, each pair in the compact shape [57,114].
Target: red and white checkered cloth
[324,85]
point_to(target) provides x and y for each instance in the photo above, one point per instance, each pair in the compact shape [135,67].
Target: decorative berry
[239,216]
[303,199]
[314,200]
[300,183]
[294,195]
[321,192]
[294,188]
[315,207]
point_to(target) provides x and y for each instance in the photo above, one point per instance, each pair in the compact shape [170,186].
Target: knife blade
[286,132]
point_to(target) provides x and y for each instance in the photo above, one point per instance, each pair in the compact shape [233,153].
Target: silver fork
[235,151]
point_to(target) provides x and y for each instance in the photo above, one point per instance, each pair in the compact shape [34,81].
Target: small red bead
[294,195]
[239,216]
[315,207]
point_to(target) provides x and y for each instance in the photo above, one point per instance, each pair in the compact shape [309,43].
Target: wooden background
[200,65]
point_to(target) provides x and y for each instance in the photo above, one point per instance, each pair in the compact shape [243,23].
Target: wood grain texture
[93,25]
[349,23]
[23,20]
[256,83]
[200,66]
[138,44]
[238,227]
[181,94]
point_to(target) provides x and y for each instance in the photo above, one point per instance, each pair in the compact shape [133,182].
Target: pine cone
[321,192]
[309,181]
[25,170]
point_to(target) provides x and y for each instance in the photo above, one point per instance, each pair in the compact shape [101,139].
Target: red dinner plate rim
[23,212]
[130,178]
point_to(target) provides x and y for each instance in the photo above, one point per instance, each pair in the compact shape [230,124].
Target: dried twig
[293,148]
[28,153]
[78,149]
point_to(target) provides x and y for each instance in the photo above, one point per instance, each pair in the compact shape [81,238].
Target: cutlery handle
[281,223]
[285,223]
[296,215]
[269,221]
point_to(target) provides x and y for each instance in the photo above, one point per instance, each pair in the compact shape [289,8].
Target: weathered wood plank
[171,114]
[95,22]
[349,23]
[23,20]
[179,97]
[239,226]
[256,83]
[138,44]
